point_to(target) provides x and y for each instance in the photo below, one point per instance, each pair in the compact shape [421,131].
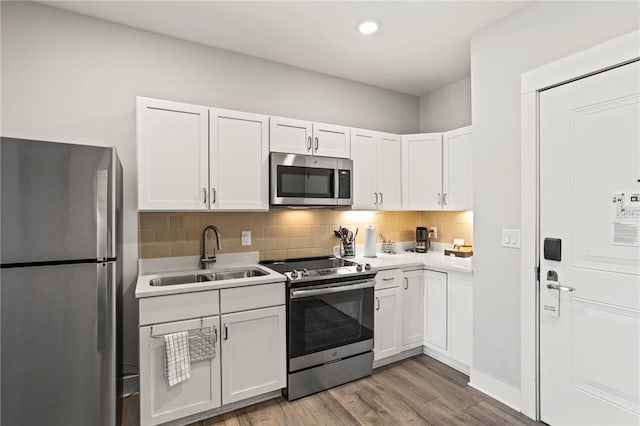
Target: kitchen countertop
[186,265]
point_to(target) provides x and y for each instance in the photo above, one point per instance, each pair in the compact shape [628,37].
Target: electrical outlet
[246,238]
[433,232]
[511,238]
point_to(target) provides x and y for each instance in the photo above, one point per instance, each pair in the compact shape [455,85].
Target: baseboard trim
[496,389]
[446,360]
[397,357]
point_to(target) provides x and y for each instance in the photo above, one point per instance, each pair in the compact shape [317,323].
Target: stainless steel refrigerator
[60,283]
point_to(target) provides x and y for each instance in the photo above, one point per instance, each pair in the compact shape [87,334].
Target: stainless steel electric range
[329,322]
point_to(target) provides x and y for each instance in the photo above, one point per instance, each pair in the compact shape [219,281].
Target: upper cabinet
[376,170]
[197,158]
[437,171]
[308,138]
[173,155]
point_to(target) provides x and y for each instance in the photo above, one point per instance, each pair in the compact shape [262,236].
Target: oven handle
[298,294]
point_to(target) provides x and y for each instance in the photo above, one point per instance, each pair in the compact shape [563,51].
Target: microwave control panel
[344,183]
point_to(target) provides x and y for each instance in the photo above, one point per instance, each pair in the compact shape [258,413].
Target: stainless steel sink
[211,276]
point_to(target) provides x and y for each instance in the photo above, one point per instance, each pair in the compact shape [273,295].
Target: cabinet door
[239,159]
[173,159]
[159,402]
[253,353]
[330,140]
[290,136]
[387,334]
[389,172]
[457,181]
[422,171]
[412,309]
[461,317]
[435,317]
[365,173]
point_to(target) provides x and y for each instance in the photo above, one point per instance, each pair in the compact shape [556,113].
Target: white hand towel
[176,355]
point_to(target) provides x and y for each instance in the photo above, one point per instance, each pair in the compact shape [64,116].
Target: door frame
[596,59]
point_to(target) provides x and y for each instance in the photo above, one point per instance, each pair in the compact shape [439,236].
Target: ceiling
[420,46]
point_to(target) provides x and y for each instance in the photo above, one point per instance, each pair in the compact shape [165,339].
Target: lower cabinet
[159,402]
[412,309]
[435,302]
[387,323]
[254,357]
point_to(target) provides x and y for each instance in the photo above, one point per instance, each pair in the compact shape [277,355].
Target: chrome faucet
[206,259]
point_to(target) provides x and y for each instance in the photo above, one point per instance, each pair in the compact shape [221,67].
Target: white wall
[535,35]
[71,78]
[446,108]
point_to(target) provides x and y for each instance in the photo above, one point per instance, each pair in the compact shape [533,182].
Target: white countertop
[186,265]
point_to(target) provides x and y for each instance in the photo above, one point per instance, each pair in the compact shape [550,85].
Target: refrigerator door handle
[102,215]
[105,276]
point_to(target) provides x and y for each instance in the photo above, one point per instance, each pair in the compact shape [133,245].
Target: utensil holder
[389,247]
[347,250]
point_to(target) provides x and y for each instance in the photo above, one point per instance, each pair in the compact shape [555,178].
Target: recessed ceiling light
[368,26]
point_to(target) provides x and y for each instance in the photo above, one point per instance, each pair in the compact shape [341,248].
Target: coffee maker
[422,240]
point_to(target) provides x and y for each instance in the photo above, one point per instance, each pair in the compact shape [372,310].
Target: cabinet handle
[215,333]
[381,198]
[388,279]
[439,198]
[226,332]
[204,193]
[309,143]
[213,195]
[317,143]
[377,303]
[406,283]
[444,198]
[376,194]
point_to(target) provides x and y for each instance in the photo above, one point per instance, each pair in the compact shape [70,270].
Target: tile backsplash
[280,234]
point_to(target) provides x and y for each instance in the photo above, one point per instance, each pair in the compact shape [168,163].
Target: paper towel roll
[370,242]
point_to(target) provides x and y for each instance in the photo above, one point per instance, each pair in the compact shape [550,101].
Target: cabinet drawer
[175,307]
[388,279]
[252,297]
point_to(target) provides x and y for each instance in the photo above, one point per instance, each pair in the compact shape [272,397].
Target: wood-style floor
[417,390]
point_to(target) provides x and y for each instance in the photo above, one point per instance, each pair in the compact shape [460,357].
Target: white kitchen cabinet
[412,309]
[159,402]
[376,170]
[387,323]
[457,179]
[294,136]
[254,353]
[197,158]
[436,307]
[422,171]
[239,160]
[172,151]
[437,171]
[460,317]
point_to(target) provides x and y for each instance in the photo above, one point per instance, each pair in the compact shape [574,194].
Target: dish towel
[202,346]
[177,365]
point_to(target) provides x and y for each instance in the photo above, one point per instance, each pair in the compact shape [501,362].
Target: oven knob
[295,274]
[305,272]
[358,267]
[367,267]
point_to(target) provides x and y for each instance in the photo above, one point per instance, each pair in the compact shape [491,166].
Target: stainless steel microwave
[309,180]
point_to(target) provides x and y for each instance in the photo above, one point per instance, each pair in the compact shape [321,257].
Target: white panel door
[239,161]
[159,402]
[457,180]
[387,329]
[460,330]
[290,135]
[253,353]
[412,309]
[173,155]
[422,171]
[389,172]
[589,158]
[330,140]
[435,303]
[365,173]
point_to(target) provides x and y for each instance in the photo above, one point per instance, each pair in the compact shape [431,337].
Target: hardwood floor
[418,390]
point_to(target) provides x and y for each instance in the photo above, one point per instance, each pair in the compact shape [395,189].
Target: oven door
[330,322]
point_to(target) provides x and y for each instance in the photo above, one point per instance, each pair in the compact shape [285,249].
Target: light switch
[511,238]
[246,238]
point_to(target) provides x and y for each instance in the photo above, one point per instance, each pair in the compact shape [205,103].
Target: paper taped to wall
[625,218]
